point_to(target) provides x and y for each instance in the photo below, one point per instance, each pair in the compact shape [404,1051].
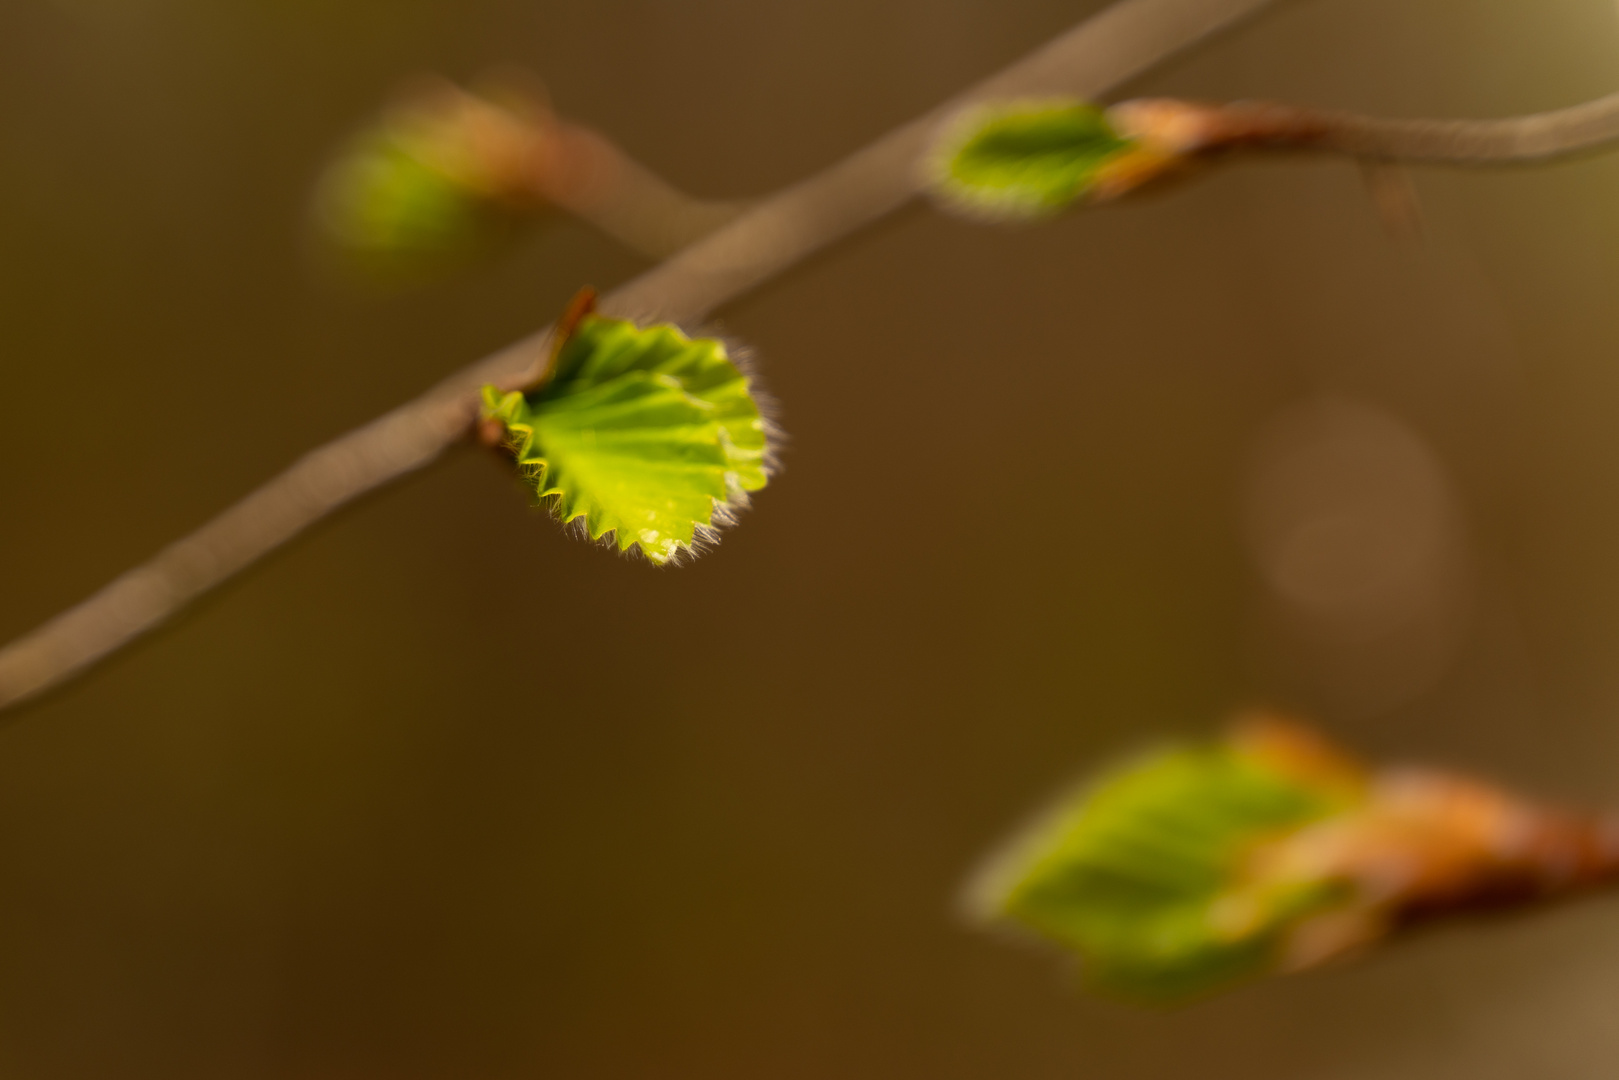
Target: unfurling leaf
[1271,851]
[442,175]
[1130,873]
[646,435]
[1025,159]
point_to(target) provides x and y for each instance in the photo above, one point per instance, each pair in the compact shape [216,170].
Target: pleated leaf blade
[646,435]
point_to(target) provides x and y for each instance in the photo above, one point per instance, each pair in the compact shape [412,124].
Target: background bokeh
[441,793]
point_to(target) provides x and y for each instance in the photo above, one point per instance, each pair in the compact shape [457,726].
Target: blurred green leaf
[438,179]
[1024,160]
[1131,873]
[644,434]
[384,198]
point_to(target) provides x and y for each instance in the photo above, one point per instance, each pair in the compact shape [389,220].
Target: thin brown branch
[527,154]
[1195,128]
[1117,44]
[1518,140]
[602,184]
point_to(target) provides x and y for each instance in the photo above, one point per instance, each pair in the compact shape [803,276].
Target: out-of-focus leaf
[1024,159]
[1131,872]
[646,435]
[1272,851]
[439,178]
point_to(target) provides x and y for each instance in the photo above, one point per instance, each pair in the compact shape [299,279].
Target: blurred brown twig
[569,165]
[1177,133]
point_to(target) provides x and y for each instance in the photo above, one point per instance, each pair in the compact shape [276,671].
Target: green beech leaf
[1137,873]
[646,435]
[1023,160]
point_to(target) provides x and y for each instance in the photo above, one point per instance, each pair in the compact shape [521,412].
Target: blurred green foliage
[441,177]
[1138,873]
[1024,160]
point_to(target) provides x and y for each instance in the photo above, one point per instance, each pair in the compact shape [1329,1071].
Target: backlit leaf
[645,436]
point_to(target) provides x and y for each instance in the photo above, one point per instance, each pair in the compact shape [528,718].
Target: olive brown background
[440,792]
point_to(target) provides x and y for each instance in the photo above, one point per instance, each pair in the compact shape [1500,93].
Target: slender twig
[528,156]
[624,199]
[1198,128]
[1113,46]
